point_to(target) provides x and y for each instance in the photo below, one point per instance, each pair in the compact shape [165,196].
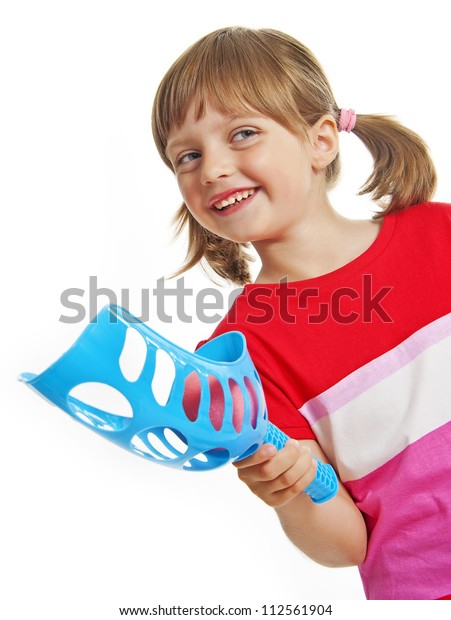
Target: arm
[334,533]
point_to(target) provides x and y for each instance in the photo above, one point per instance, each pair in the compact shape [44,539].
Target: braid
[226,258]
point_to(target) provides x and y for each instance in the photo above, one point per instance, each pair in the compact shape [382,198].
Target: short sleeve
[282,413]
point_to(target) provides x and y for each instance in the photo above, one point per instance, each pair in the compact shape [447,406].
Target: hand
[277,477]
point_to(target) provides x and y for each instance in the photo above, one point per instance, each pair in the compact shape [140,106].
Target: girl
[348,322]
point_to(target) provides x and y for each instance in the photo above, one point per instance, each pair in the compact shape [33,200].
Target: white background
[87,527]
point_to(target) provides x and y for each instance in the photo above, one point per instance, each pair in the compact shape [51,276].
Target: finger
[301,471]
[280,462]
[288,486]
[268,451]
[265,452]
[267,470]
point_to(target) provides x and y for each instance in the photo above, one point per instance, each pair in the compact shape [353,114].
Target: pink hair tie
[347,120]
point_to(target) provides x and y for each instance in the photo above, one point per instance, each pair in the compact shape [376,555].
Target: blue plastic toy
[215,411]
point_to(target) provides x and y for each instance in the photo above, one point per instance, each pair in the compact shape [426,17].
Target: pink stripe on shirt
[415,483]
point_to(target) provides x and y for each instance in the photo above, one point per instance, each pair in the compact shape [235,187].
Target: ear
[324,141]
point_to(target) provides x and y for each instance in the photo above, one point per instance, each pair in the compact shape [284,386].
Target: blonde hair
[240,69]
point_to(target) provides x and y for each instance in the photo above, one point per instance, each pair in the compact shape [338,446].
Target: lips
[232,198]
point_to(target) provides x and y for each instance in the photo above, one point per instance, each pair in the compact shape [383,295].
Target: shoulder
[432,211]
[428,219]
[421,239]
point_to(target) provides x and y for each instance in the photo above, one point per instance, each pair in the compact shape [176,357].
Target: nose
[216,165]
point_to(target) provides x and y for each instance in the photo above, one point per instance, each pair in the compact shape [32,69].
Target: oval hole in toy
[138,445]
[100,405]
[156,443]
[163,377]
[211,459]
[217,402]
[191,396]
[238,405]
[200,457]
[176,439]
[261,393]
[133,355]
[253,398]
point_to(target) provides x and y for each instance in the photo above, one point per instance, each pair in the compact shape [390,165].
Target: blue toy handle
[325,484]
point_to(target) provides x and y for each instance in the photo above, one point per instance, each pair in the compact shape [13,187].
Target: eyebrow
[173,144]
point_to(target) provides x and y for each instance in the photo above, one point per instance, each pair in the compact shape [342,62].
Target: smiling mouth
[233,200]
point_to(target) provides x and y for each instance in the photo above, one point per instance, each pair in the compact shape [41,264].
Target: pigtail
[226,258]
[403,172]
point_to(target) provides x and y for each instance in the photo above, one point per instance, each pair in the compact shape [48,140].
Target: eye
[186,158]
[243,134]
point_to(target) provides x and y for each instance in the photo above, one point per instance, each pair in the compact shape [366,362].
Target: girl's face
[245,177]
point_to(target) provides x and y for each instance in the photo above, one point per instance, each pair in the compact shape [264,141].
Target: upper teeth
[230,200]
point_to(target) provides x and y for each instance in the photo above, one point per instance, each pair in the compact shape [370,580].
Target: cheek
[277,165]
[256,162]
[187,190]
[283,179]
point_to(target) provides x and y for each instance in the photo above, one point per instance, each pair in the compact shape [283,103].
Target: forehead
[213,107]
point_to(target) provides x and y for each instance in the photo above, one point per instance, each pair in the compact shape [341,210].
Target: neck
[322,242]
